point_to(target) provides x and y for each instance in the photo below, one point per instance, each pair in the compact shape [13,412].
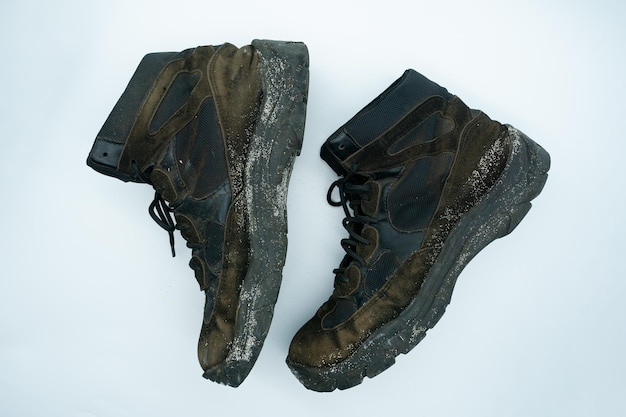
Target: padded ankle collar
[386,110]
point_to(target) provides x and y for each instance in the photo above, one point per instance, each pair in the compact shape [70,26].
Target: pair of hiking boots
[425,183]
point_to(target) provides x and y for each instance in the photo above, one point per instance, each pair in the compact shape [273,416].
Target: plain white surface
[96,319]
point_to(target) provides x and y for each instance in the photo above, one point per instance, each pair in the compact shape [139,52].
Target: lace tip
[172,244]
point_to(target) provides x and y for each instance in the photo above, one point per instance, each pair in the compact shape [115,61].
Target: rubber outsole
[276,142]
[495,216]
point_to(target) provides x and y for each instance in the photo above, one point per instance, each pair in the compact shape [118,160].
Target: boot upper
[183,125]
[412,163]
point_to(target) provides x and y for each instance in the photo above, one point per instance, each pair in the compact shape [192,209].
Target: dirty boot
[425,183]
[215,131]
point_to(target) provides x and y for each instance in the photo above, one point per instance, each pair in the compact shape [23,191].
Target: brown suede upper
[229,77]
[215,130]
[474,140]
[237,93]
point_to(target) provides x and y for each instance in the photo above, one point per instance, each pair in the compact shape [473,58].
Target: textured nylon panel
[344,308]
[392,105]
[378,274]
[214,234]
[413,200]
[200,152]
[119,123]
[423,132]
[387,112]
[176,96]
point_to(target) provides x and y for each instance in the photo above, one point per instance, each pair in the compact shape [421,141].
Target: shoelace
[351,194]
[159,209]
[161,213]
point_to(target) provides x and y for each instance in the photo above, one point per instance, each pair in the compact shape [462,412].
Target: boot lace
[159,209]
[352,191]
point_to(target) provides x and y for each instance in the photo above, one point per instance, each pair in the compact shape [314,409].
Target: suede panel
[237,93]
[191,233]
[367,251]
[369,206]
[144,147]
[315,345]
[481,158]
[162,179]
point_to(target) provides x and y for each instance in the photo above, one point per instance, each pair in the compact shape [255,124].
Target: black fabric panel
[200,152]
[423,132]
[413,200]
[119,123]
[214,235]
[177,95]
[393,104]
[378,274]
[344,308]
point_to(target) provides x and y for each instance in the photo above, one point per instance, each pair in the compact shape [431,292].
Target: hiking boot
[215,131]
[425,183]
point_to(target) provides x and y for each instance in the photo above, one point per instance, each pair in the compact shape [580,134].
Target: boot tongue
[398,100]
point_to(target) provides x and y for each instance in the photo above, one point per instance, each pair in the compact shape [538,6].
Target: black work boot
[426,183]
[215,131]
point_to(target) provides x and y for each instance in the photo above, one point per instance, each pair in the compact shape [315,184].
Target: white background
[97,319]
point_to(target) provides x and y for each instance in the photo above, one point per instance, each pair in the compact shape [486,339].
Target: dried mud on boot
[215,130]
[425,183]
